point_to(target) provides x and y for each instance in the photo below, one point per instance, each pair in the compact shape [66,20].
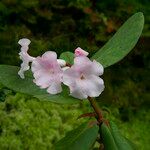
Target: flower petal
[24,42]
[43,81]
[69,76]
[24,56]
[61,62]
[65,68]
[24,67]
[50,55]
[55,88]
[92,85]
[77,92]
[35,66]
[81,61]
[97,68]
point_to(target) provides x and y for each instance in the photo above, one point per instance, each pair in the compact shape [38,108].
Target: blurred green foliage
[62,26]
[27,123]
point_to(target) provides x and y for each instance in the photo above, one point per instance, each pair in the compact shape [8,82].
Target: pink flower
[61,62]
[83,78]
[47,72]
[80,52]
[24,56]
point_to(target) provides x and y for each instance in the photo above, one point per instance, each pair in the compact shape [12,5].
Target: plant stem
[96,109]
[99,116]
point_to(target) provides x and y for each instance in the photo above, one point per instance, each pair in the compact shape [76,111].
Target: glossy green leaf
[113,140]
[82,138]
[122,42]
[68,57]
[9,77]
[107,138]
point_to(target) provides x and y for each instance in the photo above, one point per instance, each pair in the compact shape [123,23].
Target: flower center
[51,71]
[82,77]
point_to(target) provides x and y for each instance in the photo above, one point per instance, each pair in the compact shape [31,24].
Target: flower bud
[80,52]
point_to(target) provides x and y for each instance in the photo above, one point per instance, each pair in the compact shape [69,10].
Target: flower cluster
[49,73]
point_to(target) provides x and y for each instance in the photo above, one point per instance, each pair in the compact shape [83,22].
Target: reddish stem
[99,116]
[96,109]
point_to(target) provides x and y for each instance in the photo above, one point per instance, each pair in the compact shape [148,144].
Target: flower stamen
[82,77]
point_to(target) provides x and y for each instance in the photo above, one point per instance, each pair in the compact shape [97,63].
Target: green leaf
[107,138]
[122,42]
[68,57]
[121,142]
[9,77]
[82,138]
[113,140]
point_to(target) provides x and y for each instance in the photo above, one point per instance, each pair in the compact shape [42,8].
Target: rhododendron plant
[82,77]
[72,77]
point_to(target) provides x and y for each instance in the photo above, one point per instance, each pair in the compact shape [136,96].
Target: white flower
[65,68]
[83,78]
[61,62]
[47,72]
[80,52]
[24,56]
